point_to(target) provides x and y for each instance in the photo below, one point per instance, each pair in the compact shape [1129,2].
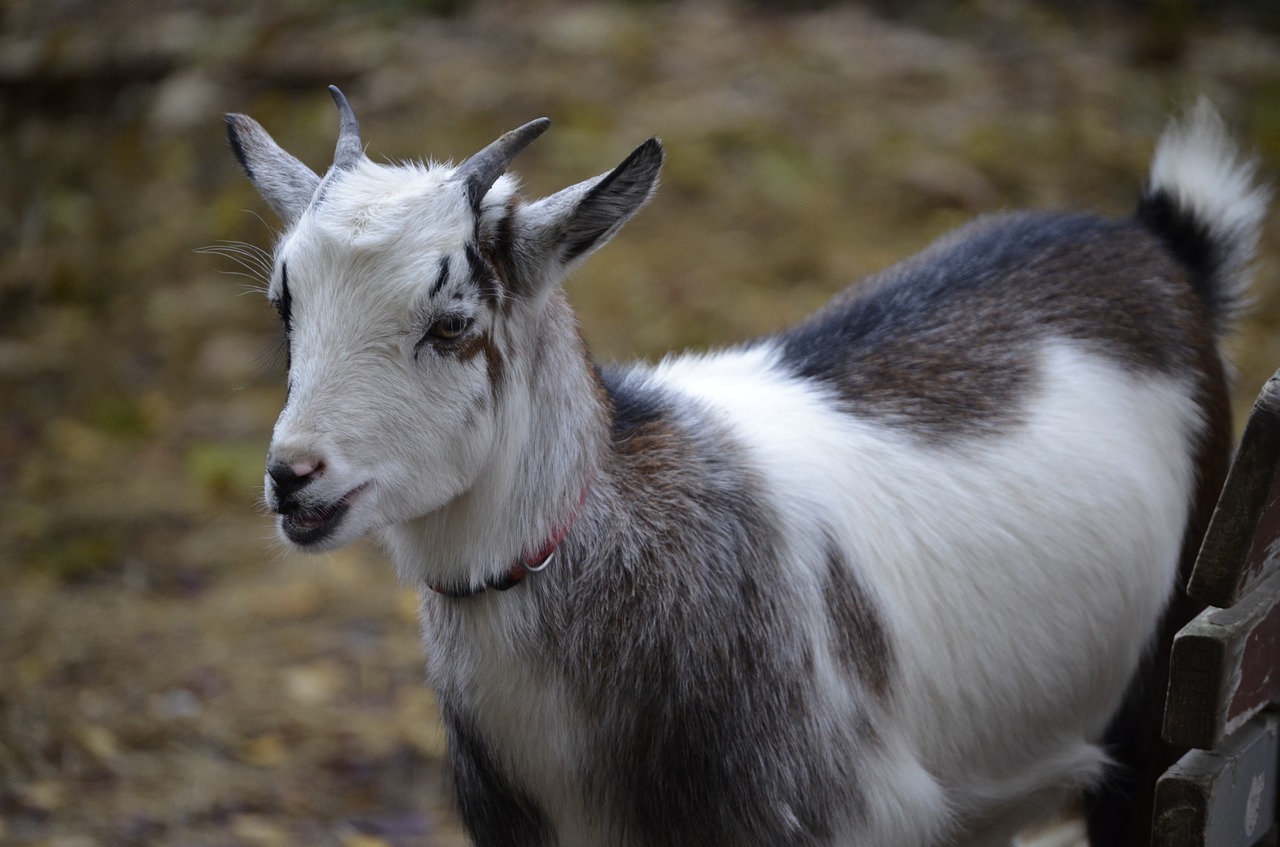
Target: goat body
[880,579]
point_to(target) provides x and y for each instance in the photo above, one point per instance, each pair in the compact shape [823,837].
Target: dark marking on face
[482,276]
[284,303]
[442,276]
[482,344]
[944,345]
[284,307]
[858,637]
[498,249]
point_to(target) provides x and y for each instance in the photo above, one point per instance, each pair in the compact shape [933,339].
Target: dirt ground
[170,676]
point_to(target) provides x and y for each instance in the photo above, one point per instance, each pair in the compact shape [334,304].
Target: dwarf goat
[879,579]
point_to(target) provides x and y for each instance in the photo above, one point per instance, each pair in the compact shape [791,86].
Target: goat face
[410,295]
[392,322]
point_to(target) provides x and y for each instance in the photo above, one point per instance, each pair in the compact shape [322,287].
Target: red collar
[524,564]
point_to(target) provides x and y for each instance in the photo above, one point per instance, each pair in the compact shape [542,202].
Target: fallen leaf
[71,841]
[360,840]
[44,796]
[417,719]
[259,831]
[99,741]
[265,751]
[315,683]
[288,601]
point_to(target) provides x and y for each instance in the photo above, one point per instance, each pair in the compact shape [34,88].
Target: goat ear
[284,182]
[572,223]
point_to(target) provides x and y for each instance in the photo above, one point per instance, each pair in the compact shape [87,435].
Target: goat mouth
[313,524]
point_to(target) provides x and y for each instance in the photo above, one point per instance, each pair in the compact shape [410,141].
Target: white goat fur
[1012,570]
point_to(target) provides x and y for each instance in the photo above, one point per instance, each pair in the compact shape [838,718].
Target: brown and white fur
[880,579]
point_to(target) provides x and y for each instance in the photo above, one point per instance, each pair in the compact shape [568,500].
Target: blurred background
[169,676]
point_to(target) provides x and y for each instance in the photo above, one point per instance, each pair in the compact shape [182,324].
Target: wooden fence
[1225,665]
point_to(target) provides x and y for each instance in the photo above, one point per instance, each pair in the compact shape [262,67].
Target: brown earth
[168,676]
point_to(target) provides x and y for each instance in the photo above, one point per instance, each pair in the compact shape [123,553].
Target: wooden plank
[1242,544]
[1224,797]
[1224,668]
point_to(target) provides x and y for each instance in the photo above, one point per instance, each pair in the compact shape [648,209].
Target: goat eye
[446,330]
[449,327]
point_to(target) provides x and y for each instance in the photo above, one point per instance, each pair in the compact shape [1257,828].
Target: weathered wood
[1224,797]
[1242,544]
[1224,668]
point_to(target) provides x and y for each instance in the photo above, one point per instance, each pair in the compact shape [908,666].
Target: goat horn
[482,170]
[349,150]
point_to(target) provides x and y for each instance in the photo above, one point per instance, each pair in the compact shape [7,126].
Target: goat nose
[290,477]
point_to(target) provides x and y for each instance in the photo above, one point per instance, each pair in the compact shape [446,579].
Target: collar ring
[543,564]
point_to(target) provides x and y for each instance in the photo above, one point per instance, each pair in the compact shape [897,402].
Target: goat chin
[881,578]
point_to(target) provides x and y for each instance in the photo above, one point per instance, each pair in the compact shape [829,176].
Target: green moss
[120,416]
[1265,116]
[79,555]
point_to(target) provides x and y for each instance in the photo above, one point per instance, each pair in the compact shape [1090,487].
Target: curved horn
[349,150]
[482,170]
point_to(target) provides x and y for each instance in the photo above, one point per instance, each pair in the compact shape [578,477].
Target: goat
[882,578]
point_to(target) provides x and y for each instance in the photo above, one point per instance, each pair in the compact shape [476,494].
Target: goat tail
[1203,200]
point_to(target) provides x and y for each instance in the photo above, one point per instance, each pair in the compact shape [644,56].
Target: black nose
[288,480]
